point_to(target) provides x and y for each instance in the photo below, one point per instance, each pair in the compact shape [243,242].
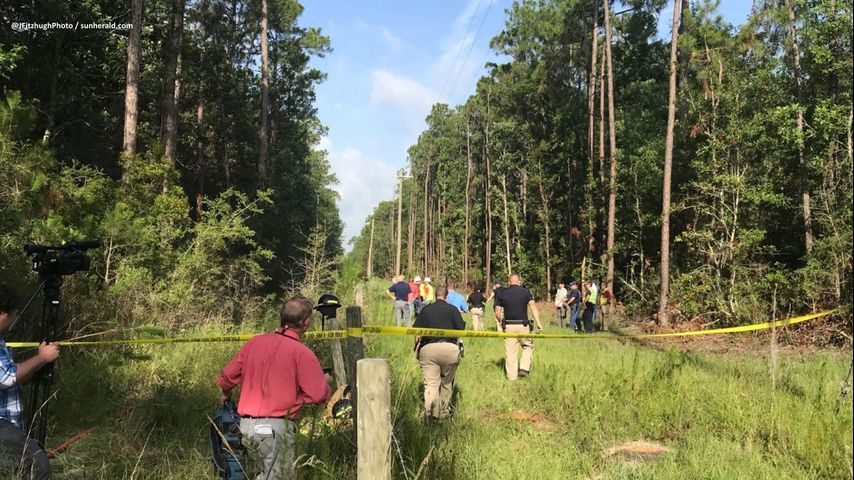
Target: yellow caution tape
[431,332]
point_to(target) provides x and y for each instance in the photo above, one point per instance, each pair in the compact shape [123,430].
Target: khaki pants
[270,444]
[512,365]
[439,362]
[477,318]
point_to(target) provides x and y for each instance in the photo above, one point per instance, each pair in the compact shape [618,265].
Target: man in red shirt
[278,375]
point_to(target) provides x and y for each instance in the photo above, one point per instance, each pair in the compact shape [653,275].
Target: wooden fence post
[355,352]
[337,355]
[373,430]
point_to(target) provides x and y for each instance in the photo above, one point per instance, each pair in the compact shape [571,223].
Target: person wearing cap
[428,293]
[516,299]
[476,301]
[414,297]
[399,293]
[439,356]
[574,303]
[497,309]
[277,375]
[560,304]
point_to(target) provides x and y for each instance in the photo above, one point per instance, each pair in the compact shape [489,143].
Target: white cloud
[392,41]
[395,44]
[406,94]
[363,182]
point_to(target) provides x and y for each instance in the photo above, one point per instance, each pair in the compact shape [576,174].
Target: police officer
[439,356]
[515,300]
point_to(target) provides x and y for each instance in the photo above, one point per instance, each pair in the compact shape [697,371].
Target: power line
[479,28]
[459,50]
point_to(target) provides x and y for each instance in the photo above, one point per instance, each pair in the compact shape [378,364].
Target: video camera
[61,260]
[52,263]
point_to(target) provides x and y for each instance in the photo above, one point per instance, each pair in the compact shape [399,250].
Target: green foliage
[737,215]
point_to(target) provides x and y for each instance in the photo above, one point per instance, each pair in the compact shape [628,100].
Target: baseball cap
[498,282]
[572,283]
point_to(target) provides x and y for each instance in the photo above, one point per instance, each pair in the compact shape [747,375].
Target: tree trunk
[132,82]
[171,85]
[488,209]
[668,166]
[399,224]
[200,153]
[426,209]
[410,242]
[802,163]
[370,268]
[468,206]
[545,199]
[506,224]
[263,157]
[612,190]
[591,88]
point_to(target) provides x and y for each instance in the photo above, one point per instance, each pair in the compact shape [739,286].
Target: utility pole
[400,177]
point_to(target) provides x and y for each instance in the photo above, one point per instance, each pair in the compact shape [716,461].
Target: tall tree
[171,85]
[263,149]
[799,125]
[132,83]
[469,171]
[612,138]
[668,167]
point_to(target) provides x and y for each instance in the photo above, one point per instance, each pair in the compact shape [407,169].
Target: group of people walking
[439,357]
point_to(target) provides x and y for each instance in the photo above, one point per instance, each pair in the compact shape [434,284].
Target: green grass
[716,413]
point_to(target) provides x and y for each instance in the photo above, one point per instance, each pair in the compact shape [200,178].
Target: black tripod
[51,263]
[42,381]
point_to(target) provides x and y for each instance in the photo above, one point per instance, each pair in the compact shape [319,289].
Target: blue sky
[390,62]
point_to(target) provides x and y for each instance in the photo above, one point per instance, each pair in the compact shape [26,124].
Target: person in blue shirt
[457,299]
[20,456]
[399,292]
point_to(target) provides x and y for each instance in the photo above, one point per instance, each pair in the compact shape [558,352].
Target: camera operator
[278,375]
[19,454]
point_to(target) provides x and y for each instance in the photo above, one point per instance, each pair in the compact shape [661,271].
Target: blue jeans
[573,316]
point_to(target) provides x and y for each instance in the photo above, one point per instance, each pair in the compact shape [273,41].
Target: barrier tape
[431,332]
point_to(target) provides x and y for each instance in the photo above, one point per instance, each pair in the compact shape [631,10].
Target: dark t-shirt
[576,294]
[476,300]
[400,291]
[439,314]
[514,299]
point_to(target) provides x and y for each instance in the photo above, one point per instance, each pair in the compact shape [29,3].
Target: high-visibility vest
[428,293]
[594,294]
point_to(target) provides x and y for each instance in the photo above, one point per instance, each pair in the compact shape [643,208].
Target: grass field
[717,415]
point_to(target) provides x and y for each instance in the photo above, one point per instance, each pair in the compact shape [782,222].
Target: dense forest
[186,144]
[705,176]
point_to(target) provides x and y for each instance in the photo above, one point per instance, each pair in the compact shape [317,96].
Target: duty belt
[516,322]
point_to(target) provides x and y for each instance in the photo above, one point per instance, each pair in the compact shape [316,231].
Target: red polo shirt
[413,292]
[277,373]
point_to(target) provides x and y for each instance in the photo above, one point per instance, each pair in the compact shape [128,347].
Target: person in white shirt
[560,304]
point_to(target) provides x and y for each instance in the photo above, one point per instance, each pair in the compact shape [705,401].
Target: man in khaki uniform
[515,300]
[439,356]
